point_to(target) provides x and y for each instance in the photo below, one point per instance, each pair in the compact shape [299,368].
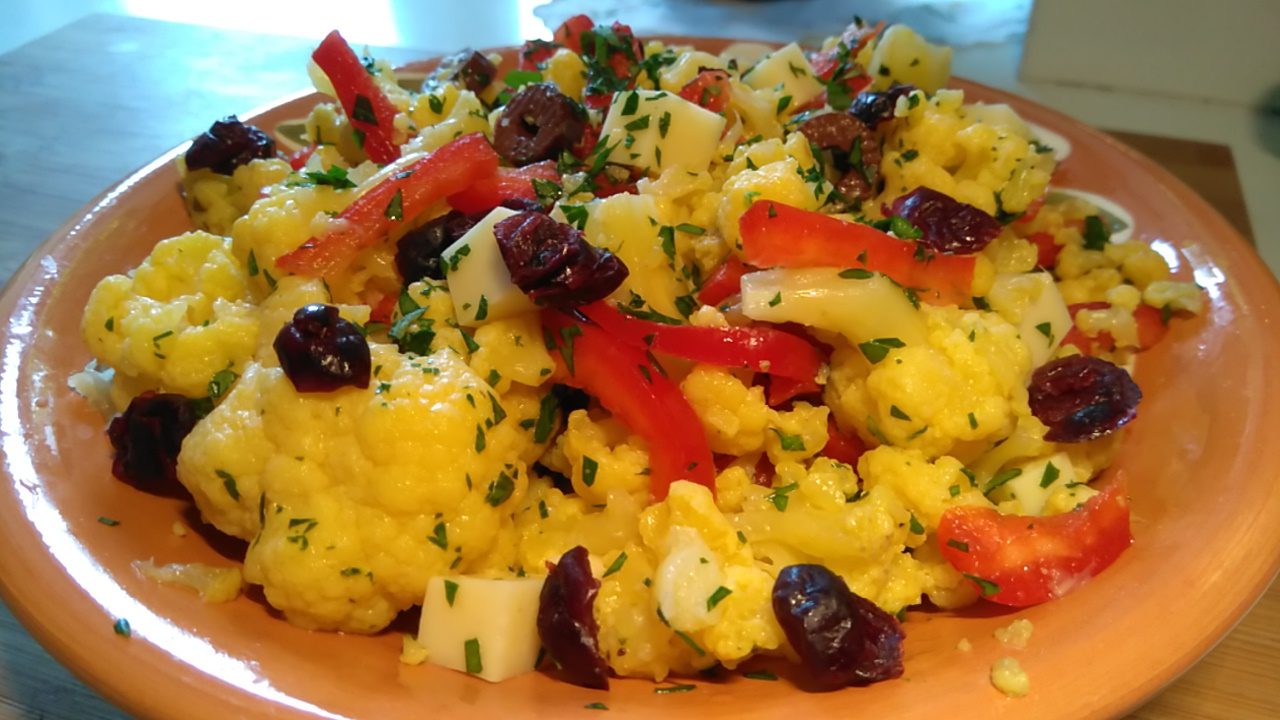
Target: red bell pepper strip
[637,393]
[1033,209]
[487,194]
[569,34]
[709,89]
[762,349]
[299,158]
[1022,560]
[778,235]
[723,282]
[855,37]
[842,447]
[782,388]
[400,197]
[367,108]
[1046,249]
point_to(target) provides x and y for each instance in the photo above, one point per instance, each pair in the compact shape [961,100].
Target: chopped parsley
[121,627]
[775,300]
[500,490]
[616,565]
[856,274]
[897,412]
[109,522]
[395,208]
[439,536]
[876,350]
[915,527]
[716,597]
[987,587]
[1046,330]
[1001,478]
[229,482]
[589,468]
[335,177]
[680,688]
[1051,474]
[790,443]
[450,591]
[1096,233]
[760,675]
[471,649]
[779,496]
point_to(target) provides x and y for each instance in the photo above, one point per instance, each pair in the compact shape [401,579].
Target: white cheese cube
[1037,481]
[656,130]
[486,627]
[789,68]
[479,282]
[902,56]
[1032,302]
[862,309]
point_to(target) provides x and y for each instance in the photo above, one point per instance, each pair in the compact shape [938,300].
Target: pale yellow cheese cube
[478,278]
[483,626]
[656,130]
[789,69]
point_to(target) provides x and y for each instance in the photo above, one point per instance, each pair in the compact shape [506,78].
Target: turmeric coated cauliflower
[351,500]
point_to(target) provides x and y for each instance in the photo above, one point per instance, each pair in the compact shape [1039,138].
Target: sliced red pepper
[1151,326]
[1033,209]
[620,376]
[1046,249]
[298,159]
[536,53]
[367,108]
[778,235]
[762,349]
[587,144]
[841,446]
[1022,560]
[855,37]
[488,193]
[710,90]
[723,282]
[569,34]
[782,389]
[402,196]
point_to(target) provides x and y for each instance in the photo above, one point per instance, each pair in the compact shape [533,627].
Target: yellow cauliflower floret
[796,434]
[181,316]
[566,69]
[216,201]
[551,523]
[924,487]
[327,125]
[1139,263]
[1185,296]
[352,499]
[279,224]
[465,114]
[793,180]
[735,416]
[968,383]
[603,457]
[512,350]
[628,226]
[936,143]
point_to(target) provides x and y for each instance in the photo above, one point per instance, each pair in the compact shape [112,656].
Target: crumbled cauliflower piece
[351,499]
[1015,635]
[180,317]
[1009,678]
[214,584]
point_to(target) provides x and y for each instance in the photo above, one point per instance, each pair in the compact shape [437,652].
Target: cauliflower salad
[621,359]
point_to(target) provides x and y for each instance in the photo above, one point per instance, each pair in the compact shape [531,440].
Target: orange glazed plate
[1202,459]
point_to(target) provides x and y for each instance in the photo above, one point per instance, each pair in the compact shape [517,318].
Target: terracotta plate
[1202,457]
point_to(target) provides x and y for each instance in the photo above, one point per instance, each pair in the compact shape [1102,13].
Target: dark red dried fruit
[833,131]
[320,351]
[854,185]
[842,639]
[566,624]
[1082,398]
[949,226]
[227,145]
[873,108]
[418,251]
[472,70]
[538,124]
[147,438]
[553,263]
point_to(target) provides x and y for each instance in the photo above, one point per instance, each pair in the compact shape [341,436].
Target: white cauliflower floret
[352,499]
[183,315]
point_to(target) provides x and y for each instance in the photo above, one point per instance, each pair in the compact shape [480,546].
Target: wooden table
[85,105]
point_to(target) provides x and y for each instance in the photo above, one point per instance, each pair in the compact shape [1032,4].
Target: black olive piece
[537,124]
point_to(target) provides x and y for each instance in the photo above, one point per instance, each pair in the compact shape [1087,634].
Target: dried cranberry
[949,226]
[553,263]
[1081,398]
[538,124]
[834,131]
[566,624]
[873,108]
[227,145]
[320,351]
[418,251]
[147,438]
[842,639]
[472,70]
